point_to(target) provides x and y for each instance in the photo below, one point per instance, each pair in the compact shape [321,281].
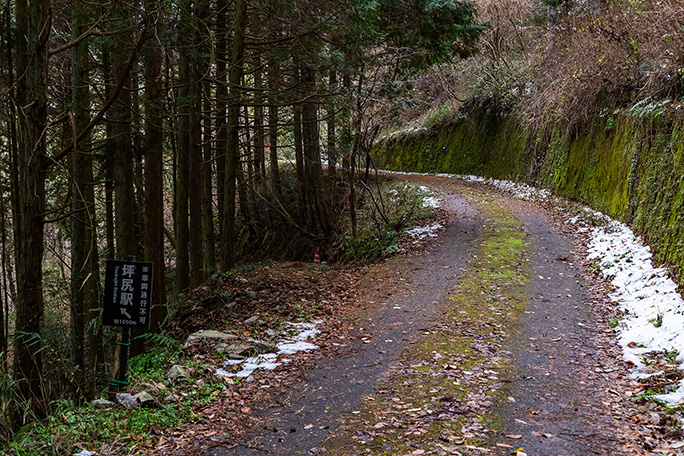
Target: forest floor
[493,338]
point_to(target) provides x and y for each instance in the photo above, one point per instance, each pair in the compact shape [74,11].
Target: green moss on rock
[633,171]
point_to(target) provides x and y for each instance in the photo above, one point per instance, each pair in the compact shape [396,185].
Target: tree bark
[4,295]
[154,174]
[354,151]
[124,190]
[108,160]
[7,76]
[33,30]
[182,183]
[207,193]
[85,357]
[4,308]
[259,151]
[245,172]
[233,129]
[302,194]
[196,180]
[332,136]
[221,97]
[316,206]
[273,73]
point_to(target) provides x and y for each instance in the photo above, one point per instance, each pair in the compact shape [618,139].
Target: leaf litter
[462,432]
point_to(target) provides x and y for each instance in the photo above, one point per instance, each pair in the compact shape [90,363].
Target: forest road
[552,398]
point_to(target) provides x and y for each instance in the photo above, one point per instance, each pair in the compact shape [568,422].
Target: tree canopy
[189,133]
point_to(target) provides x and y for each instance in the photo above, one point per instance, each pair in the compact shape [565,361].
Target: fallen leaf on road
[514,436]
[503,445]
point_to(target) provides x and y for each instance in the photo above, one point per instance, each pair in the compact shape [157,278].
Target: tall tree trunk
[109,155]
[4,305]
[207,193]
[182,181]
[138,153]
[316,208]
[247,156]
[273,74]
[332,136]
[3,334]
[243,200]
[221,97]
[302,194]
[124,190]
[354,150]
[33,30]
[84,255]
[232,144]
[108,159]
[154,174]
[245,172]
[196,151]
[7,78]
[259,151]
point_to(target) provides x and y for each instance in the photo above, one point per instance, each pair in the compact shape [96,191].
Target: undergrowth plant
[557,61]
[71,427]
[389,207]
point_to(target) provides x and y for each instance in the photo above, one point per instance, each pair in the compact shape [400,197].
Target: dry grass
[565,63]
[630,51]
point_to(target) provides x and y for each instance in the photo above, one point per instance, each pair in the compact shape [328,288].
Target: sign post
[127,298]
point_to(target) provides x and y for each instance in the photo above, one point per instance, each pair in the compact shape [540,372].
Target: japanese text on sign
[128,286]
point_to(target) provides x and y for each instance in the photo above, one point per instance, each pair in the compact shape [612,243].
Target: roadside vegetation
[199,136]
[559,61]
[276,293]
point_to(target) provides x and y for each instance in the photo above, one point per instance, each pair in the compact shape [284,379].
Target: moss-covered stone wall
[630,168]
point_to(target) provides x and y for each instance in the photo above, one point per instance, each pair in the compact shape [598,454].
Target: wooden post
[122,352]
[119,383]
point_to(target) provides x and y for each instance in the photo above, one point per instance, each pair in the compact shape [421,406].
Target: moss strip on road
[436,399]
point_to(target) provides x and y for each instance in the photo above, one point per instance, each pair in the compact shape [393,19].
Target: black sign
[128,293]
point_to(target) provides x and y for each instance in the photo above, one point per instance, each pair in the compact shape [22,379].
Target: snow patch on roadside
[418,233]
[519,190]
[421,232]
[654,320]
[429,200]
[654,309]
[269,361]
